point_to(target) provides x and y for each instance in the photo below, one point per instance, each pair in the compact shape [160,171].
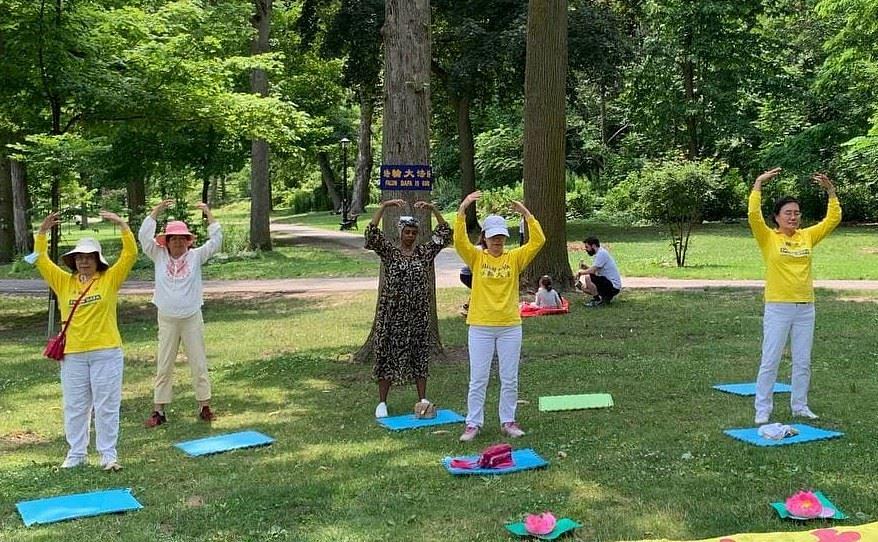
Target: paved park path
[448,265]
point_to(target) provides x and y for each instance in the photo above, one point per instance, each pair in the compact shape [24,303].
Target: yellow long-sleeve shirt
[94,324]
[788,258]
[494,299]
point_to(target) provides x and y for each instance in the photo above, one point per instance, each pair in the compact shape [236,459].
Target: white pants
[483,341]
[782,320]
[173,331]
[92,381]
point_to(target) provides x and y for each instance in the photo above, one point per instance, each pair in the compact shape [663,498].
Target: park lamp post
[344,182]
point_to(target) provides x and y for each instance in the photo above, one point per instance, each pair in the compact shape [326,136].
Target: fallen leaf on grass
[440,432]
[195,501]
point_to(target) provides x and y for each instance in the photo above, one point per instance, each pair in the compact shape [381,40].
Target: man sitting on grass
[602,280]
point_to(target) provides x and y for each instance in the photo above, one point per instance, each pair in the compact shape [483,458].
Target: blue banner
[406,177]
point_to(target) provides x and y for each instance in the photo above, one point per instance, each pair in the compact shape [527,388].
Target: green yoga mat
[575,402]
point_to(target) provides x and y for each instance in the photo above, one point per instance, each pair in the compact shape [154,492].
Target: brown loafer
[206,415]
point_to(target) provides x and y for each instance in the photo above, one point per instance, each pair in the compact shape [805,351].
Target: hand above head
[161,207]
[519,208]
[52,219]
[424,205]
[765,177]
[824,182]
[110,216]
[201,206]
[394,202]
[468,200]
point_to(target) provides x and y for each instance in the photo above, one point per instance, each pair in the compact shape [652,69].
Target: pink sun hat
[175,227]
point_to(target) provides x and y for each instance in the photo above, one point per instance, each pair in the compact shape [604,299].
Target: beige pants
[173,331]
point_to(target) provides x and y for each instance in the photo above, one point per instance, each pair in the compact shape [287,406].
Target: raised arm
[535,240]
[375,239]
[146,233]
[760,230]
[441,237]
[465,249]
[48,269]
[214,232]
[833,211]
[118,272]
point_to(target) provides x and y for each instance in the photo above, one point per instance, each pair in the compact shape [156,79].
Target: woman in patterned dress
[401,339]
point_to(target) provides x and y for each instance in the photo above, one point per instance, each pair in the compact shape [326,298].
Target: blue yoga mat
[409,421]
[224,443]
[806,434]
[80,505]
[749,388]
[524,459]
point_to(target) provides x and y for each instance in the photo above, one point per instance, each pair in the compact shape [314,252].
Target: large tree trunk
[136,190]
[329,180]
[360,192]
[406,134]
[467,151]
[24,237]
[7,215]
[544,132]
[260,182]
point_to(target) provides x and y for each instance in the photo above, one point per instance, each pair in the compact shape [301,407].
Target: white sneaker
[761,419]
[112,466]
[469,433]
[511,430]
[72,462]
[381,410]
[805,413]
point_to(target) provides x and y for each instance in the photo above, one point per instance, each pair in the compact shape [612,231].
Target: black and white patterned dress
[402,340]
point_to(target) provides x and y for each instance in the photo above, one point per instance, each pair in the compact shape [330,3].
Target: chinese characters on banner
[406,177]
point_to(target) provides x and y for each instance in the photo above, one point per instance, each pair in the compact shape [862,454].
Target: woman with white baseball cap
[493,317]
[91,371]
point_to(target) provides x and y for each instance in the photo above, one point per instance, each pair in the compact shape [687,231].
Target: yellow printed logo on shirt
[489,271]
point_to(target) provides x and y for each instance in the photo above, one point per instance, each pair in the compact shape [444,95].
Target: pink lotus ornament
[804,504]
[540,524]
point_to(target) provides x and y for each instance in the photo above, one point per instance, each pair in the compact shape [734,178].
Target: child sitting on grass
[547,297]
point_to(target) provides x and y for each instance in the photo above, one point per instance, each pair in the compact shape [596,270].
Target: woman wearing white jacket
[178,297]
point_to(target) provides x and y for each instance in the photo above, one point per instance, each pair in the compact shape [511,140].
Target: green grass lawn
[656,465]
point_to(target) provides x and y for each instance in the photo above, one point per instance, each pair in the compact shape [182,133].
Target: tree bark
[24,238]
[467,157]
[688,74]
[136,190]
[329,180]
[406,134]
[363,176]
[544,136]
[260,182]
[7,215]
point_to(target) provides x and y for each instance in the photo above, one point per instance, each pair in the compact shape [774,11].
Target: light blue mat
[80,505]
[409,421]
[524,459]
[224,443]
[806,434]
[749,388]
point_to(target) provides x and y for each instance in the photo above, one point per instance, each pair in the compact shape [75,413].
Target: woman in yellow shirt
[493,318]
[91,371]
[789,291]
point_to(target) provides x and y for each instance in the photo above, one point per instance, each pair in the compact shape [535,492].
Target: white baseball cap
[495,225]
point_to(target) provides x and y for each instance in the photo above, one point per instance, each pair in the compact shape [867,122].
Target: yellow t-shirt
[788,258]
[94,323]
[494,299]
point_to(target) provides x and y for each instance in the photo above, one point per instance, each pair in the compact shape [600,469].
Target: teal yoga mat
[79,505]
[807,433]
[575,402]
[224,443]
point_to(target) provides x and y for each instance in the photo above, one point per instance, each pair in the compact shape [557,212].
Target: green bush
[581,199]
[499,156]
[497,200]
